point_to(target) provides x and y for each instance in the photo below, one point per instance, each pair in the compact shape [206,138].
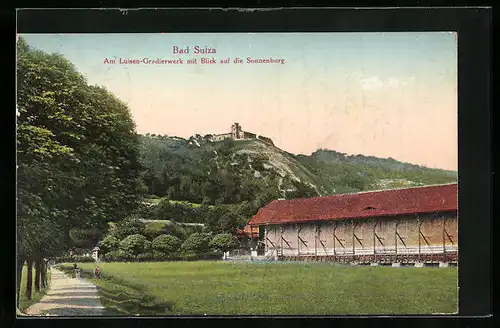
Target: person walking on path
[75,267]
[97,273]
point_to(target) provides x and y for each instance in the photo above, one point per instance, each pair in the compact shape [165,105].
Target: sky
[375,94]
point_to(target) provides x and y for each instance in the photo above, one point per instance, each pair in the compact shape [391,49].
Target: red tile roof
[438,198]
[248,231]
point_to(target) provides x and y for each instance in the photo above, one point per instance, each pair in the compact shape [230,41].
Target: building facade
[414,225]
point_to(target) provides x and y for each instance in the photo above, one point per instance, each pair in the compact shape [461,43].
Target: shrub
[224,242]
[166,244]
[118,256]
[197,243]
[108,244]
[127,227]
[191,256]
[144,257]
[159,256]
[135,244]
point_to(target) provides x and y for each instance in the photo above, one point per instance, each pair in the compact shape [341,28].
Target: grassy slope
[24,303]
[280,288]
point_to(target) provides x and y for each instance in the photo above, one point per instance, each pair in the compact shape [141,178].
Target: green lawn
[24,303]
[275,288]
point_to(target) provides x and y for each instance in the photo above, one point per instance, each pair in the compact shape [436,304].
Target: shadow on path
[68,297]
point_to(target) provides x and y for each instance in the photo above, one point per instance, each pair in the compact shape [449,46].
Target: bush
[127,227]
[118,256]
[147,246]
[224,242]
[144,257]
[155,229]
[166,244]
[108,244]
[197,243]
[190,256]
[159,256]
[135,244]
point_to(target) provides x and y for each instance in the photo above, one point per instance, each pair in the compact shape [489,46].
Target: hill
[222,184]
[200,171]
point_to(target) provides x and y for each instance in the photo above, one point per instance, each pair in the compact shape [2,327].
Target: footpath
[68,297]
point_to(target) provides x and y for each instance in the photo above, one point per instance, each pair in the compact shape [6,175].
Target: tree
[222,219]
[224,242]
[166,244]
[135,244]
[85,238]
[77,156]
[197,242]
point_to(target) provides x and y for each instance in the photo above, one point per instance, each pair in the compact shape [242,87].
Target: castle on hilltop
[237,134]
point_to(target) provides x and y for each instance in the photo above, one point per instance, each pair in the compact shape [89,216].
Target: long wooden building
[415,225]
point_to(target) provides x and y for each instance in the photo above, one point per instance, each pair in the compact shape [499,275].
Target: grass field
[214,288]
[24,303]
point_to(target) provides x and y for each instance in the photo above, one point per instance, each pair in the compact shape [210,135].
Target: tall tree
[77,155]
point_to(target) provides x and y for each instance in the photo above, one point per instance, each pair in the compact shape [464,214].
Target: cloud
[374,82]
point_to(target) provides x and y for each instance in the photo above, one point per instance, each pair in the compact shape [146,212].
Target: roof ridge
[367,192]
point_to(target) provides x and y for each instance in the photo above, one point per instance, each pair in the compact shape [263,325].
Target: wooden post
[374,232]
[353,244]
[396,237]
[281,239]
[298,239]
[444,236]
[316,242]
[419,242]
[334,238]
[266,248]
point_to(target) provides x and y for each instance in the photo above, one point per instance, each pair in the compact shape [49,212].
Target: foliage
[118,255]
[129,226]
[77,154]
[135,244]
[85,238]
[219,174]
[222,219]
[197,243]
[166,244]
[224,242]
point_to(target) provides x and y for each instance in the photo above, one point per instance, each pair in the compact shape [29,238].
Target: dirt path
[68,297]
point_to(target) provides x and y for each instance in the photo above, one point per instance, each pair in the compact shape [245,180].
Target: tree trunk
[43,273]
[20,263]
[38,274]
[29,278]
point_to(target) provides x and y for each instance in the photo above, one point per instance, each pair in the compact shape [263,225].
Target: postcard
[198,174]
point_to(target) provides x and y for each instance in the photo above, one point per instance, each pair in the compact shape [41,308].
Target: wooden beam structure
[336,239]
[318,236]
[298,239]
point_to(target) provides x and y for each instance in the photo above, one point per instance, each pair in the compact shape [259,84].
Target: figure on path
[97,273]
[75,268]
